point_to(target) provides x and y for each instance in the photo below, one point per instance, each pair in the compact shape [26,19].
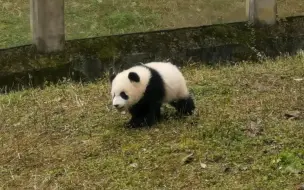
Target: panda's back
[173,80]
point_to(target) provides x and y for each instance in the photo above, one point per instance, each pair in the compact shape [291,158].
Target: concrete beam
[261,12]
[47,25]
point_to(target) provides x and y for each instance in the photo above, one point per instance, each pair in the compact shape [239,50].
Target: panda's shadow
[167,114]
[171,116]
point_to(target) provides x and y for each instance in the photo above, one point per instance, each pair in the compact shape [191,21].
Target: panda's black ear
[112,77]
[134,77]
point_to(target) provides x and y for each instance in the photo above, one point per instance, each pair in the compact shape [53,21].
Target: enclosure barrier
[47,21]
[51,58]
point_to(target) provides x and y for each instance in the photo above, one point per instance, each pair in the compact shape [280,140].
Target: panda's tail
[184,106]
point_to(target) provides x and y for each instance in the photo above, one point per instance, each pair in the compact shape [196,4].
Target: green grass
[103,17]
[67,136]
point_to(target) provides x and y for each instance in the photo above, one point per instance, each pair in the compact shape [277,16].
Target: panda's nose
[116,105]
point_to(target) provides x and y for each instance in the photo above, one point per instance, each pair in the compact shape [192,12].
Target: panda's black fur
[147,111]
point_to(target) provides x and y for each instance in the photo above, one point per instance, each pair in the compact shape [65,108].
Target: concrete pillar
[47,25]
[261,12]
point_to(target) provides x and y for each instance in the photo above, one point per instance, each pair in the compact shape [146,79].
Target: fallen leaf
[260,87]
[134,165]
[298,79]
[187,159]
[254,128]
[203,165]
[293,115]
[17,124]
[244,168]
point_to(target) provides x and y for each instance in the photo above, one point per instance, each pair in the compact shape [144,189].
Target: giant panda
[142,89]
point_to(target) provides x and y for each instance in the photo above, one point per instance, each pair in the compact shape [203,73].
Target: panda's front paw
[134,123]
[130,125]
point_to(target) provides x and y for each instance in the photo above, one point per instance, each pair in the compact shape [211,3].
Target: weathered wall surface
[90,58]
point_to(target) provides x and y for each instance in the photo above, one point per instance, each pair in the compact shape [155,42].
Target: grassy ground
[102,17]
[66,136]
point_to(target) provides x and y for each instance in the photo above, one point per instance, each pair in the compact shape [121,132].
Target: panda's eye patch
[124,95]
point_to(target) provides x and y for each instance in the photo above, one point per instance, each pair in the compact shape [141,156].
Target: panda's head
[129,86]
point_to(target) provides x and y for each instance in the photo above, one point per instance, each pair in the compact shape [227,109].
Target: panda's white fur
[174,83]
[170,82]
[134,90]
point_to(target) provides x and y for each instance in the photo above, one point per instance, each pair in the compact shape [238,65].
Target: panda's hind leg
[184,106]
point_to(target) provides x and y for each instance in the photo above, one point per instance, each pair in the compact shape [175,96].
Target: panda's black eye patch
[124,95]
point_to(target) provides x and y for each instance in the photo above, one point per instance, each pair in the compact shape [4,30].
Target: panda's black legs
[156,110]
[184,106]
[147,116]
[143,121]
[153,115]
[135,122]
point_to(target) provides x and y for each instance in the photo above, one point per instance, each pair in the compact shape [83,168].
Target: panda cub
[143,89]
